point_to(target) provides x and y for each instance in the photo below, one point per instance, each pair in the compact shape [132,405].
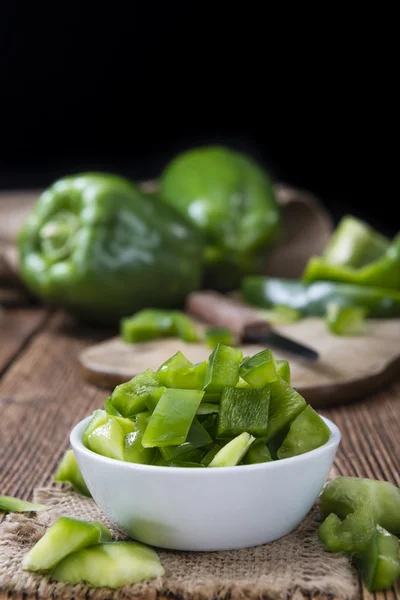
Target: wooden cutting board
[349,367]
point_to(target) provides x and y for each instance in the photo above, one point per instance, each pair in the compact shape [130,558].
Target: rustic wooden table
[42,395]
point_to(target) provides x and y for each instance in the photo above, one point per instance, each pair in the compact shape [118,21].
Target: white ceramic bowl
[206,509]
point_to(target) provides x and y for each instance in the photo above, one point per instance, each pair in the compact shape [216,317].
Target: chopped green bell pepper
[307,432]
[222,369]
[99,417]
[207,458]
[345,320]
[354,244]
[99,247]
[257,453]
[172,418]
[11,504]
[131,398]
[68,470]
[219,335]
[110,408]
[133,448]
[230,199]
[151,324]
[232,453]
[108,440]
[280,314]
[343,495]
[206,408]
[283,369]
[64,537]
[243,410]
[196,438]
[285,404]
[260,369]
[350,535]
[312,299]
[109,565]
[179,372]
[380,563]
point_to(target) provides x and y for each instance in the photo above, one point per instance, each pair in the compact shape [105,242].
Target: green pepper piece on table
[312,299]
[172,418]
[345,320]
[151,324]
[108,440]
[133,449]
[283,370]
[11,504]
[354,244]
[257,453]
[223,368]
[196,438]
[219,335]
[64,537]
[280,314]
[350,535]
[232,453]
[343,495]
[109,565]
[259,369]
[307,432]
[98,246]
[130,398]
[231,200]
[68,470]
[243,410]
[380,563]
[285,404]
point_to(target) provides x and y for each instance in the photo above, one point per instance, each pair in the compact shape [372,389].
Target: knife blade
[258,333]
[243,321]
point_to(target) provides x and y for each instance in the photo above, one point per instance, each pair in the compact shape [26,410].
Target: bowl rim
[332,443]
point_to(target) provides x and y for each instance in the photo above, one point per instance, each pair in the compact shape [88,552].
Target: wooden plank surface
[42,396]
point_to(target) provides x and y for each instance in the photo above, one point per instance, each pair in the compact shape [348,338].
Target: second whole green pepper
[101,248]
[231,200]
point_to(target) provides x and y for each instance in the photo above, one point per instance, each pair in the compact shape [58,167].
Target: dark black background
[309,95]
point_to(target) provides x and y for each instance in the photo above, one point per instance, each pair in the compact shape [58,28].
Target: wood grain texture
[17,327]
[42,396]
[349,367]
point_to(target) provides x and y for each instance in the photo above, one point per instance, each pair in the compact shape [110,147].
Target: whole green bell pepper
[312,299]
[231,200]
[98,246]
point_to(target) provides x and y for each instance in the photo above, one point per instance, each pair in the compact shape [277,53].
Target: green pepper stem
[57,236]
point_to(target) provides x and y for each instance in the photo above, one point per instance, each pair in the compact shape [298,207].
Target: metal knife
[244,322]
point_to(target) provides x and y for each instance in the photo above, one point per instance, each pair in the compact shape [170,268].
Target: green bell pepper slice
[380,563]
[178,372]
[257,453]
[345,320]
[64,537]
[383,272]
[197,437]
[312,299]
[285,404]
[219,335]
[11,504]
[133,448]
[109,565]
[110,408]
[151,324]
[131,398]
[208,457]
[307,432]
[99,417]
[68,470]
[99,247]
[259,369]
[283,370]
[232,453]
[354,244]
[207,408]
[222,369]
[108,440]
[350,535]
[231,200]
[172,418]
[343,495]
[243,410]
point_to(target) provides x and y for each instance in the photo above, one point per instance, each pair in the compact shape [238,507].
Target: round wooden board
[348,367]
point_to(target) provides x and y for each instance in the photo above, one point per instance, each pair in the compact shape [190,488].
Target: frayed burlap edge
[290,567]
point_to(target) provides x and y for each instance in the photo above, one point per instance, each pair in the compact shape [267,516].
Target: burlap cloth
[294,564]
